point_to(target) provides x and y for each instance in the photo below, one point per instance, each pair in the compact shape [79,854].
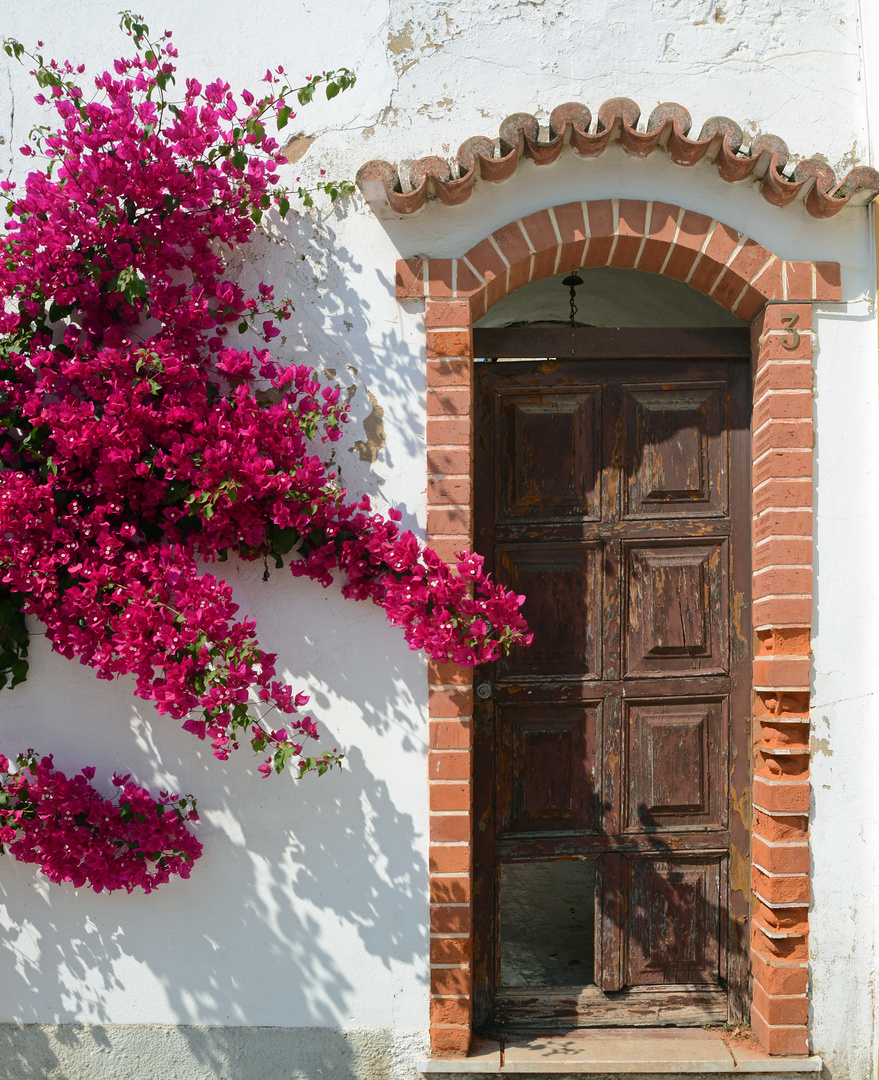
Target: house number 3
[790,321]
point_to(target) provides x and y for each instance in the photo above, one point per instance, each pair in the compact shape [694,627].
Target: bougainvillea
[144,426]
[74,834]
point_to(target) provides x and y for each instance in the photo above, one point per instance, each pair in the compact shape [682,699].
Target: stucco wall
[844,806]
[309,907]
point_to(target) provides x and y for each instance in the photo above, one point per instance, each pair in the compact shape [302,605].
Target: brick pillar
[782,615]
[449,445]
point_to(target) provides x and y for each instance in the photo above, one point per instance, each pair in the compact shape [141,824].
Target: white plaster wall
[309,908]
[844,742]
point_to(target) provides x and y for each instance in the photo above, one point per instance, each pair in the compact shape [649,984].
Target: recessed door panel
[566,620]
[673,921]
[677,608]
[675,451]
[676,765]
[547,768]
[548,468]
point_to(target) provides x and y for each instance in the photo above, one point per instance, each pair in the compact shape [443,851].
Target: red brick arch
[776,296]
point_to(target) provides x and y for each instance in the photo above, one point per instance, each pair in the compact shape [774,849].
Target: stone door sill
[633,1052]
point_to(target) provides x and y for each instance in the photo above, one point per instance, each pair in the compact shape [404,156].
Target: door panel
[566,620]
[676,765]
[546,768]
[677,609]
[673,917]
[615,497]
[675,447]
[549,468]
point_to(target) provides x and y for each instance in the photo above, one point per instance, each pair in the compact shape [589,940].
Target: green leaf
[35,438]
[284,115]
[176,492]
[282,540]
[19,672]
[57,312]
[332,90]
[284,206]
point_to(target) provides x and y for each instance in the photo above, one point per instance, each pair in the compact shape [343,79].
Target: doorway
[612,488]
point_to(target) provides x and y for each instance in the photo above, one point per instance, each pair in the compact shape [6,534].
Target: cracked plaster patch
[374,429]
[298,147]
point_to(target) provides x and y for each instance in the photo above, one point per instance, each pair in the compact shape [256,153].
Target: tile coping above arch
[767,161]
[776,296]
[658,237]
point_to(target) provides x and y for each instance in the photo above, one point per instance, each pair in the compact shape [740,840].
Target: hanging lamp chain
[572,281]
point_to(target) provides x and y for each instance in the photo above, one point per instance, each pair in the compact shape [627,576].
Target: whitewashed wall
[308,910]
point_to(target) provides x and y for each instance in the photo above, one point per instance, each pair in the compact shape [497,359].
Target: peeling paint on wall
[374,429]
[402,41]
[820,746]
[297,147]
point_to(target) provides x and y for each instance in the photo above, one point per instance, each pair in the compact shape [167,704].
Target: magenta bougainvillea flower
[145,429]
[74,834]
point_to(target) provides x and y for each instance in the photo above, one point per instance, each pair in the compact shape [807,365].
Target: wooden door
[611,757]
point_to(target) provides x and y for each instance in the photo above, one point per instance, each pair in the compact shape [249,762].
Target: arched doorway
[775,297]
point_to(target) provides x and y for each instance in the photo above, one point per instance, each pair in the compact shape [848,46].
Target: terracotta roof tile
[765,162]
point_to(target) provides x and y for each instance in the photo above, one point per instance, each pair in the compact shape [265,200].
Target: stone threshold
[633,1052]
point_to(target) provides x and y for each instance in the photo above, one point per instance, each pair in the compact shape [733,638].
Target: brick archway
[776,296]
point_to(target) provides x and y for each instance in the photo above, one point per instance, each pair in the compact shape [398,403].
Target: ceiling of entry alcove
[611,297]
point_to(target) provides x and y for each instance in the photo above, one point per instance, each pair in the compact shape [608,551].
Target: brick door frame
[776,297]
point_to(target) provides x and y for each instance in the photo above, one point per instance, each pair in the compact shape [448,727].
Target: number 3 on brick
[790,321]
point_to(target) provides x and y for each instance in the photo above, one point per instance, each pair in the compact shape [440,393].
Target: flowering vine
[144,426]
[75,835]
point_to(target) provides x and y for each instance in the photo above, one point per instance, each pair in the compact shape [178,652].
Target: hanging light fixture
[571,282]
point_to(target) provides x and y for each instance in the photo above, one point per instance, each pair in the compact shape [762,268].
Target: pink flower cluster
[74,834]
[136,438]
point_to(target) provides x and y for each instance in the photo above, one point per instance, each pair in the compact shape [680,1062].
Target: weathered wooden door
[611,757]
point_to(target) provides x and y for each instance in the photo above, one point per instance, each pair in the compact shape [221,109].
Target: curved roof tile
[765,161]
